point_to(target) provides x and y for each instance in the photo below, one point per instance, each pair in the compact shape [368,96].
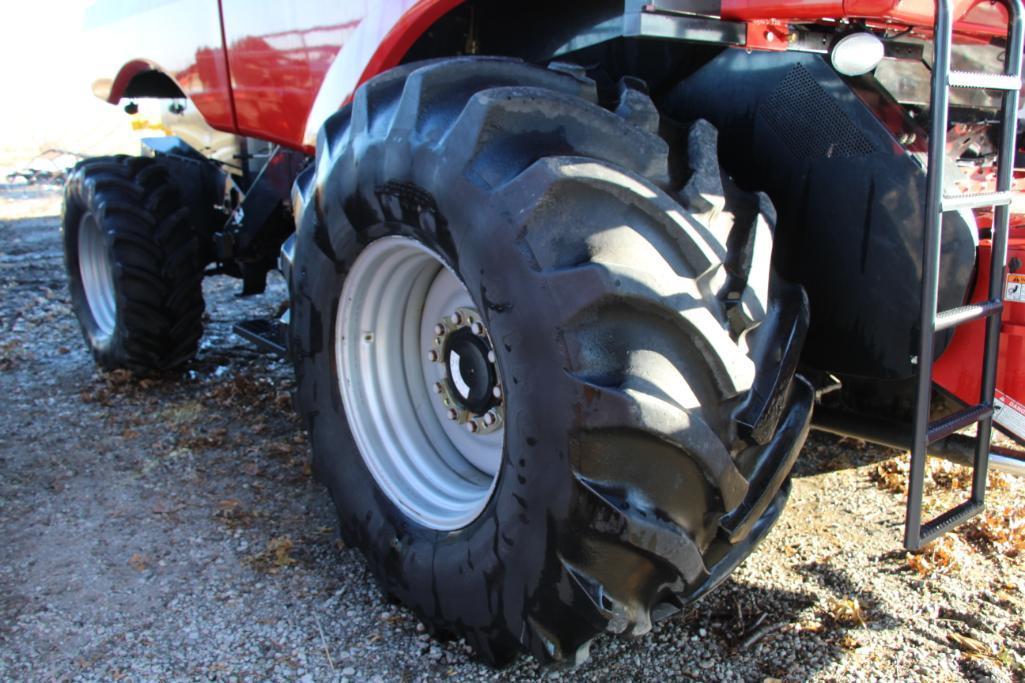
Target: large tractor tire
[548,399]
[135,264]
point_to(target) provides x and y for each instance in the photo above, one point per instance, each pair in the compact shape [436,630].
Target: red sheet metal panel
[959,369]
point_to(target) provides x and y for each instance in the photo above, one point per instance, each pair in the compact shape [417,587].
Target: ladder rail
[915,533]
[939,101]
[1001,228]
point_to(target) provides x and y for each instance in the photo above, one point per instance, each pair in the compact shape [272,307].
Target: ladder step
[948,520]
[959,420]
[983,81]
[965,314]
[977,200]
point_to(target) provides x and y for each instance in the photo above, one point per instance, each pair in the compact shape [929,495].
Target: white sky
[48,101]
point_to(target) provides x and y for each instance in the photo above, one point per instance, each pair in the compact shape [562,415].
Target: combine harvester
[571,281]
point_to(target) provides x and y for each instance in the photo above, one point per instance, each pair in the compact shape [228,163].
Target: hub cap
[419,381]
[97,271]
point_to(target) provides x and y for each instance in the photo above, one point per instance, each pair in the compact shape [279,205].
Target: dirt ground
[170,530]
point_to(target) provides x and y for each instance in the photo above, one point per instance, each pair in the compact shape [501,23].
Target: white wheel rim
[430,465]
[97,272]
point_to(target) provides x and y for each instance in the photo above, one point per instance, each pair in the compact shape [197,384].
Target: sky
[48,101]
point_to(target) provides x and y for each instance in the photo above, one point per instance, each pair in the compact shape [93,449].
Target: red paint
[125,76]
[258,73]
[180,38]
[227,66]
[406,32]
[278,58]
[767,35]
[207,84]
[979,17]
[959,369]
[253,72]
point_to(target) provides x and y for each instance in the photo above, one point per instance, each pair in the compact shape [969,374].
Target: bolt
[432,356]
[491,357]
[453,413]
[368,337]
[497,391]
[490,419]
[439,388]
[472,426]
[457,318]
[439,329]
[477,329]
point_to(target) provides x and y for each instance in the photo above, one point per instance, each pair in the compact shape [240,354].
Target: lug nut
[439,387]
[491,357]
[490,419]
[432,356]
[477,329]
[439,329]
[472,426]
[453,414]
[497,391]
[457,318]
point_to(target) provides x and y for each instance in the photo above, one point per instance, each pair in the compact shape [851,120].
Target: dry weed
[945,554]
[891,475]
[277,556]
[941,475]
[1001,530]
[847,612]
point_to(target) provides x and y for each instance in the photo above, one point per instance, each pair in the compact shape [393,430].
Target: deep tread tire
[156,257]
[623,362]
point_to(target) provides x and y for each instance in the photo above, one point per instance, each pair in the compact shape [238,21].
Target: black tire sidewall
[493,568]
[105,348]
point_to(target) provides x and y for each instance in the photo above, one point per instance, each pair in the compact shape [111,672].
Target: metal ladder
[925,433]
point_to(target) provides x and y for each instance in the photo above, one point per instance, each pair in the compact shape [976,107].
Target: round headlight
[856,54]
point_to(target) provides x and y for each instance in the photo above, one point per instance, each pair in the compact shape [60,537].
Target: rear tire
[627,338]
[134,264]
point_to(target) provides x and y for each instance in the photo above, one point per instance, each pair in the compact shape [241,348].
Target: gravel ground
[171,530]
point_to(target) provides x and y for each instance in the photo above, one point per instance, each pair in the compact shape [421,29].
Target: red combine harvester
[570,282]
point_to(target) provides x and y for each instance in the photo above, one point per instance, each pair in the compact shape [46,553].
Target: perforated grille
[809,121]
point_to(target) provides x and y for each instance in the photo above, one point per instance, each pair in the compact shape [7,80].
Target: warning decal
[1009,414]
[1015,287]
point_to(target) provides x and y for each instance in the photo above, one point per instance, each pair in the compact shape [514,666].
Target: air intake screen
[810,122]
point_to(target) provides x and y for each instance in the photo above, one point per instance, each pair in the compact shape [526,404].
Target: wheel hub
[97,272]
[470,393]
[419,381]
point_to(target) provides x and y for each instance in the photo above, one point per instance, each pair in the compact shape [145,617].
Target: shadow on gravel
[824,452]
[762,634]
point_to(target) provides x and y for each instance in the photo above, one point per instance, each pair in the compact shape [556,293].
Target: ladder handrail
[933,224]
[1001,228]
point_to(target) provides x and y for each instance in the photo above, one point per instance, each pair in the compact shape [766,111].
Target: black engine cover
[850,202]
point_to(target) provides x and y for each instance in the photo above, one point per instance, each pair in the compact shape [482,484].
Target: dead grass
[998,530]
[1001,530]
[847,612]
[277,556]
[946,554]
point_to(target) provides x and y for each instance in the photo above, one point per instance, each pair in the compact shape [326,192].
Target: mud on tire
[134,264]
[648,355]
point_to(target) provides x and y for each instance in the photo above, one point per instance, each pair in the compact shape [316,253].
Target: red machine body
[276,72]
[959,369]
